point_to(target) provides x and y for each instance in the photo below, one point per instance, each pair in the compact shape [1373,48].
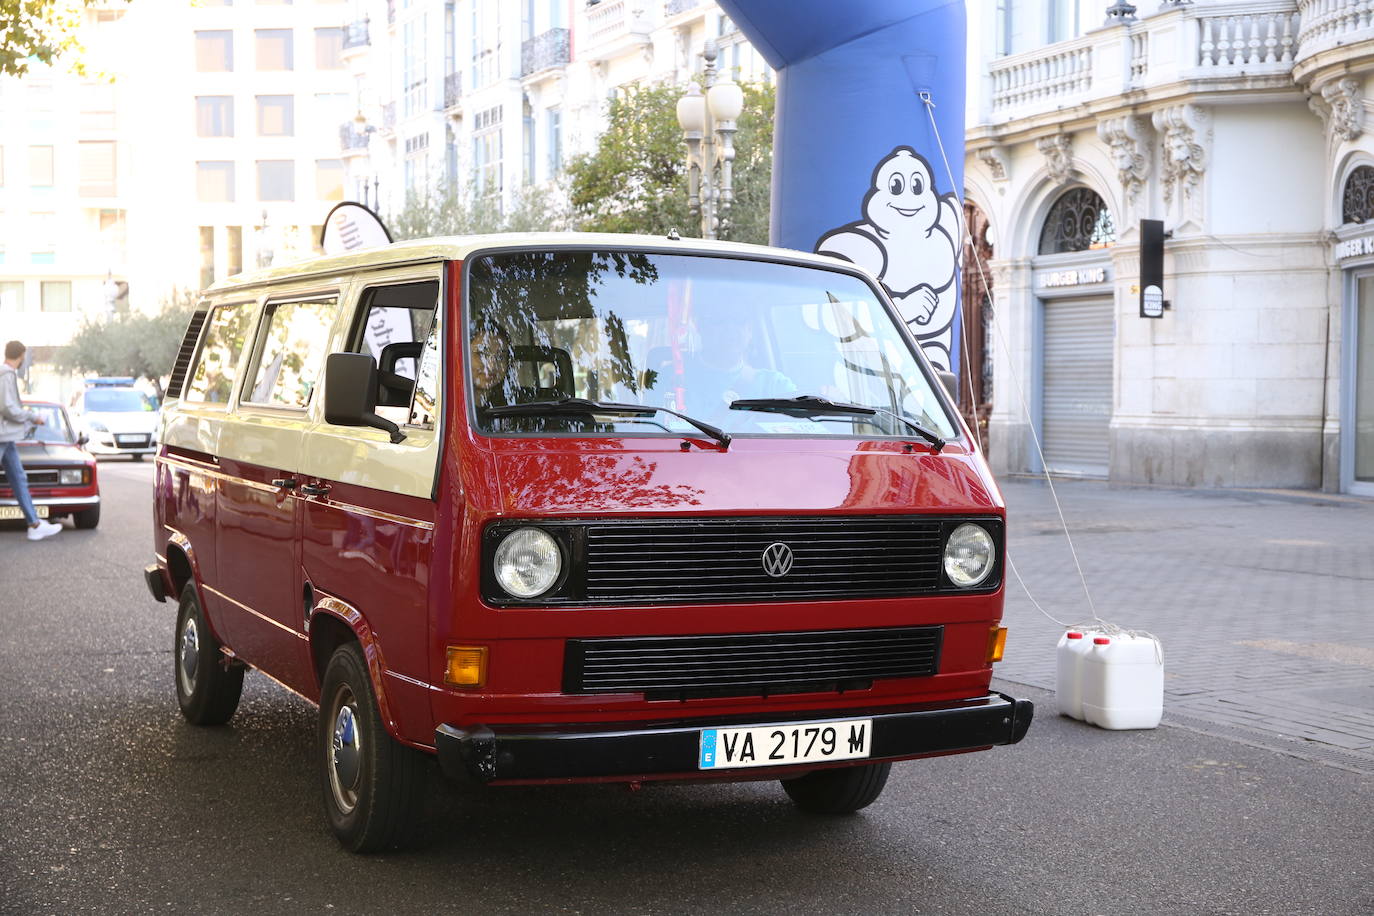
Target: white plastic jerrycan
[1123,682]
[1068,681]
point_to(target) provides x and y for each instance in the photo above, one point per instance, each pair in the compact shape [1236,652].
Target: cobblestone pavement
[1262,600]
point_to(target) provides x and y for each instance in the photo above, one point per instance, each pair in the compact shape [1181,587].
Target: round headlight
[527,563]
[969,555]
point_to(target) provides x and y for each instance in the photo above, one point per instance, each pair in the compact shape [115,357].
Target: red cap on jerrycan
[1100,641]
[1073,635]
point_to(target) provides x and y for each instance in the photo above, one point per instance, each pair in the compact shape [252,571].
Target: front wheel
[208,689]
[840,791]
[87,518]
[372,784]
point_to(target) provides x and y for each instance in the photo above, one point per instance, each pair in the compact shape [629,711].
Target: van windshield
[693,334]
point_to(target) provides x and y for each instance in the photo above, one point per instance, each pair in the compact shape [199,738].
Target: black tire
[372,784]
[137,456]
[87,519]
[840,791]
[208,690]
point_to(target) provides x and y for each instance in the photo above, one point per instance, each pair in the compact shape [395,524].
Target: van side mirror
[350,393]
[950,381]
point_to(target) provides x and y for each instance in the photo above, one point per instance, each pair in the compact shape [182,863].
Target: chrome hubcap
[190,656]
[345,753]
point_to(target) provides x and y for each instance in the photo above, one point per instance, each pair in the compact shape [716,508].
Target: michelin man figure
[909,240]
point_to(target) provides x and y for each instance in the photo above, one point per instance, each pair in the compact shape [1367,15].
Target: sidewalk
[1262,599]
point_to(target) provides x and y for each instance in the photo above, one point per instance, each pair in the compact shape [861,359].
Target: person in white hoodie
[14,421]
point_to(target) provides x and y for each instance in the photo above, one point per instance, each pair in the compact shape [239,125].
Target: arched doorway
[975,298]
[1357,358]
[1076,331]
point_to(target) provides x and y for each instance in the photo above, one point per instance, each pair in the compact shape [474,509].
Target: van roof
[459,247]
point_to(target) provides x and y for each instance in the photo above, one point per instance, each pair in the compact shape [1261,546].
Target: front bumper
[659,751]
[54,503]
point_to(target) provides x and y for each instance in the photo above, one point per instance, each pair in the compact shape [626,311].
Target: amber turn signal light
[466,667]
[997,643]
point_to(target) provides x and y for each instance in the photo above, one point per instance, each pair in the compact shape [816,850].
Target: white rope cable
[1021,395]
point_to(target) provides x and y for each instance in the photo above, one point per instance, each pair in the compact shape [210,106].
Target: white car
[117,421]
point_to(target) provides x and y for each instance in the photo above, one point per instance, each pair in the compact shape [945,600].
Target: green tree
[131,343]
[39,31]
[446,211]
[636,180]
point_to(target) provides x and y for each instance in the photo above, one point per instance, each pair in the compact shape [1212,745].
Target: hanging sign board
[1151,268]
[352,227]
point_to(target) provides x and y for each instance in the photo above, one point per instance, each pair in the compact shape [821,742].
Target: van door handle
[310,490]
[286,483]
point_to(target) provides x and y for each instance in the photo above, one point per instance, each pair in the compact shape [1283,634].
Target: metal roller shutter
[1077,401]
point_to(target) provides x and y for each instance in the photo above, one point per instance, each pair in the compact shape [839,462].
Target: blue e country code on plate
[785,743]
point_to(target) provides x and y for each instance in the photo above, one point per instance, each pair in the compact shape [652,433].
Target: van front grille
[754,664]
[723,559]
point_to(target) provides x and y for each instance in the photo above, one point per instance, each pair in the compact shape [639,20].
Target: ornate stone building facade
[1240,124]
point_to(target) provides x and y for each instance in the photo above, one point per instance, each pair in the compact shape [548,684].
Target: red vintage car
[555,508]
[62,474]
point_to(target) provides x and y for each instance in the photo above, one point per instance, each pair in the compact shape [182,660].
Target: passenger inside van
[719,370]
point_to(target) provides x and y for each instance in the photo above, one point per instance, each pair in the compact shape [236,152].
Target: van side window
[291,349]
[213,379]
[393,324]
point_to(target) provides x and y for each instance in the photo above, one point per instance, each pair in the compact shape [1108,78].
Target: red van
[557,508]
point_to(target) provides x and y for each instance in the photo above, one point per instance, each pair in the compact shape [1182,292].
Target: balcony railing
[1044,78]
[673,7]
[1179,45]
[612,20]
[356,35]
[350,138]
[1248,40]
[1328,24]
[545,50]
[453,89]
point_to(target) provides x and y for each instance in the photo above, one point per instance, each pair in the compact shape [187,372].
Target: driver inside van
[720,370]
[491,359]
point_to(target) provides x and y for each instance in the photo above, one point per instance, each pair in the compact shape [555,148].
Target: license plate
[785,744]
[8,513]
[135,440]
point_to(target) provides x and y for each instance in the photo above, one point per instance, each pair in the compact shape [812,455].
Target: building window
[215,51]
[1063,23]
[214,115]
[486,27]
[329,49]
[56,296]
[1078,221]
[276,179]
[235,240]
[486,150]
[555,141]
[42,236]
[527,141]
[207,256]
[274,49]
[413,70]
[1357,204]
[416,168]
[276,115]
[40,166]
[214,182]
[97,175]
[329,179]
[11,296]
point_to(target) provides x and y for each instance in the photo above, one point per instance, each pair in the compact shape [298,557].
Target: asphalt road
[110,803]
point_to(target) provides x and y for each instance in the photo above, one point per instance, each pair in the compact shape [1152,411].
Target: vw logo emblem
[777,560]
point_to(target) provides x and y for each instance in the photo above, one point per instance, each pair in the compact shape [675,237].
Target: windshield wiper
[584,405]
[811,405]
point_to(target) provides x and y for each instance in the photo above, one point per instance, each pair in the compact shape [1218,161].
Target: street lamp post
[708,129]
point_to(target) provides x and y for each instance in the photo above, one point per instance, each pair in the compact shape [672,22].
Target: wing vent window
[186,353]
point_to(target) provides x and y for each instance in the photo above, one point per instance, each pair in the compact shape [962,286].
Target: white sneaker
[43,530]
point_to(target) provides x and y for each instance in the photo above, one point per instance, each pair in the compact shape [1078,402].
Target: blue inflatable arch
[868,91]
